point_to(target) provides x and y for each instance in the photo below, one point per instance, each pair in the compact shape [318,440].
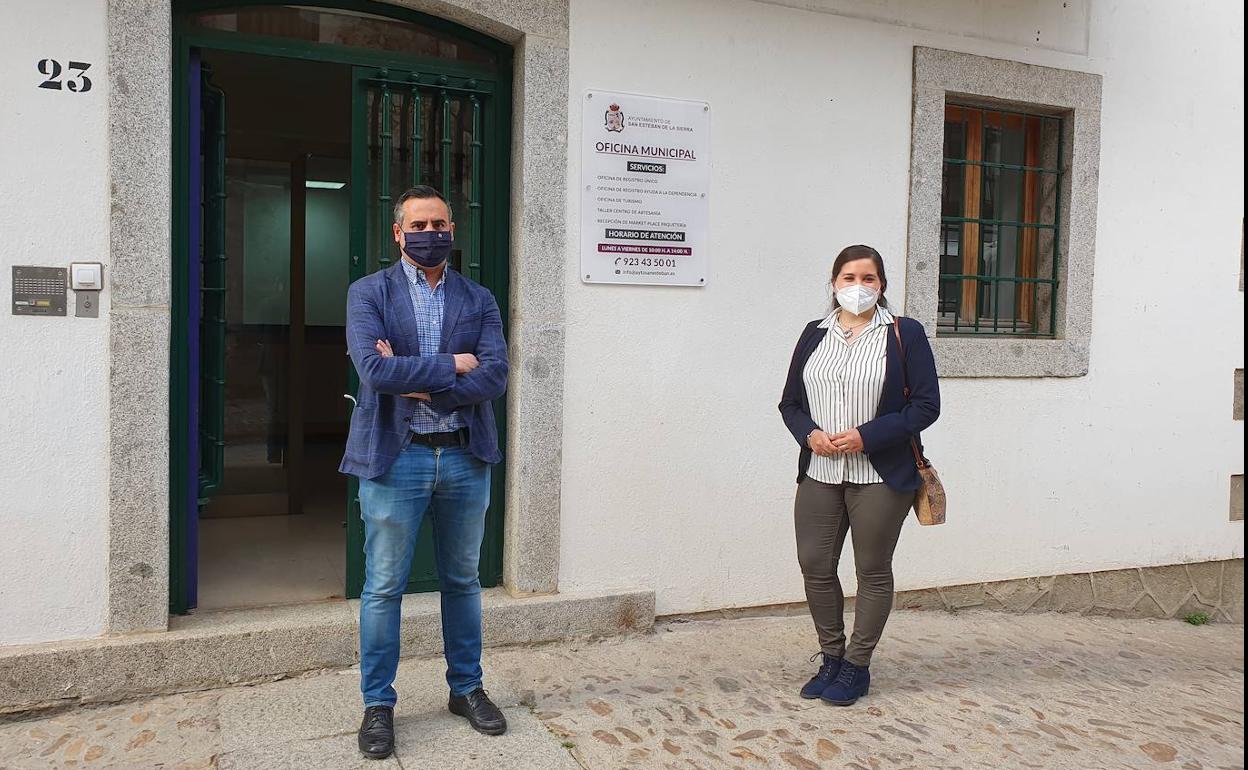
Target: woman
[862,384]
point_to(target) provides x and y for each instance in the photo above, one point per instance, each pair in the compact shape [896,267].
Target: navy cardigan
[885,439]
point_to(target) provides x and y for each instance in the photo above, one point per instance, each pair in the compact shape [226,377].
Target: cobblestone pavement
[971,690]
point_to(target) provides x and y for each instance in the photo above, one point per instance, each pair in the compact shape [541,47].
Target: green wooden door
[413,127]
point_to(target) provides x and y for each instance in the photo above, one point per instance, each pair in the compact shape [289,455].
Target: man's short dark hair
[419,191]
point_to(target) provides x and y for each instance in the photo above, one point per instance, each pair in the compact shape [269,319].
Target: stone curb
[224,648]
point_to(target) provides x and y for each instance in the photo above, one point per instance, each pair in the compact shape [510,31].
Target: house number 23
[75,81]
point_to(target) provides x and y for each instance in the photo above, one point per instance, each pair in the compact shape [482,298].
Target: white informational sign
[645,175]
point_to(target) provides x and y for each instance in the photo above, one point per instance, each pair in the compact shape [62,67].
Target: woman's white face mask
[857,298]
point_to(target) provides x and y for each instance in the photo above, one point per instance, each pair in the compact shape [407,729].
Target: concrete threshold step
[215,649]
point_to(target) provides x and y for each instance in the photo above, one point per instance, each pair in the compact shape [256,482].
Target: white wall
[54,209]
[678,473]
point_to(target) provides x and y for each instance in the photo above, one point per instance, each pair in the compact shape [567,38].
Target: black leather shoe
[377,732]
[480,712]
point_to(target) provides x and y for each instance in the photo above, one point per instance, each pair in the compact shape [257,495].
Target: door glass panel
[258,239]
[328,243]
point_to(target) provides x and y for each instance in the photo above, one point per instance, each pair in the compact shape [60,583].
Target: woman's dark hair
[853,254]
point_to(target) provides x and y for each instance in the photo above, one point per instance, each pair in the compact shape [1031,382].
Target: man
[428,346]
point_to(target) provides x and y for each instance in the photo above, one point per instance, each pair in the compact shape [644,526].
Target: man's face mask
[428,248]
[857,298]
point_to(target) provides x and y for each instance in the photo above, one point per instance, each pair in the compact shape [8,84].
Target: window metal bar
[383,195]
[444,84]
[995,286]
[474,196]
[1057,218]
[945,332]
[992,279]
[1029,238]
[418,133]
[999,222]
[1018,264]
[957,306]
[447,139]
[1035,298]
[983,183]
[969,107]
[957,294]
[962,229]
[1003,166]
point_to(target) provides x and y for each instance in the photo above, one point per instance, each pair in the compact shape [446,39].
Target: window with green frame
[999,223]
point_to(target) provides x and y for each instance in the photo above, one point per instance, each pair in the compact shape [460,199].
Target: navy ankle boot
[851,683]
[828,670]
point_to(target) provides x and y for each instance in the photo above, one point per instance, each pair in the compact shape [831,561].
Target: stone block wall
[1215,588]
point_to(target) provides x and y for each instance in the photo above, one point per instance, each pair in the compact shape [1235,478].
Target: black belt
[454,438]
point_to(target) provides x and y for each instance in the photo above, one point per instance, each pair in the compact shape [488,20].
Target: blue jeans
[454,488]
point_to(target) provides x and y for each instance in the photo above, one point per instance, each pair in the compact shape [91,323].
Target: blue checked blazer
[379,307]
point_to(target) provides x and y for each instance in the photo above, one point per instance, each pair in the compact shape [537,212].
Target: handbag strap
[919,459]
[901,349]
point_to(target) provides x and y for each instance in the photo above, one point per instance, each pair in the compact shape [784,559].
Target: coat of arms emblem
[614,118]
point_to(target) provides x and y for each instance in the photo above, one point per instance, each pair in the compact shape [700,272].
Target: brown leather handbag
[929,500]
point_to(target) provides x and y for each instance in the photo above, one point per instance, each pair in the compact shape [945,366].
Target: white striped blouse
[844,381]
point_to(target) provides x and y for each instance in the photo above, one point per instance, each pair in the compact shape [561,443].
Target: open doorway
[273,529]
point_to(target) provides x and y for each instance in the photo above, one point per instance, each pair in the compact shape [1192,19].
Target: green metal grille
[212,292]
[424,129]
[411,128]
[1000,223]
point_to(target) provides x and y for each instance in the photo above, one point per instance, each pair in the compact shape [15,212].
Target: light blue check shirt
[429,305]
